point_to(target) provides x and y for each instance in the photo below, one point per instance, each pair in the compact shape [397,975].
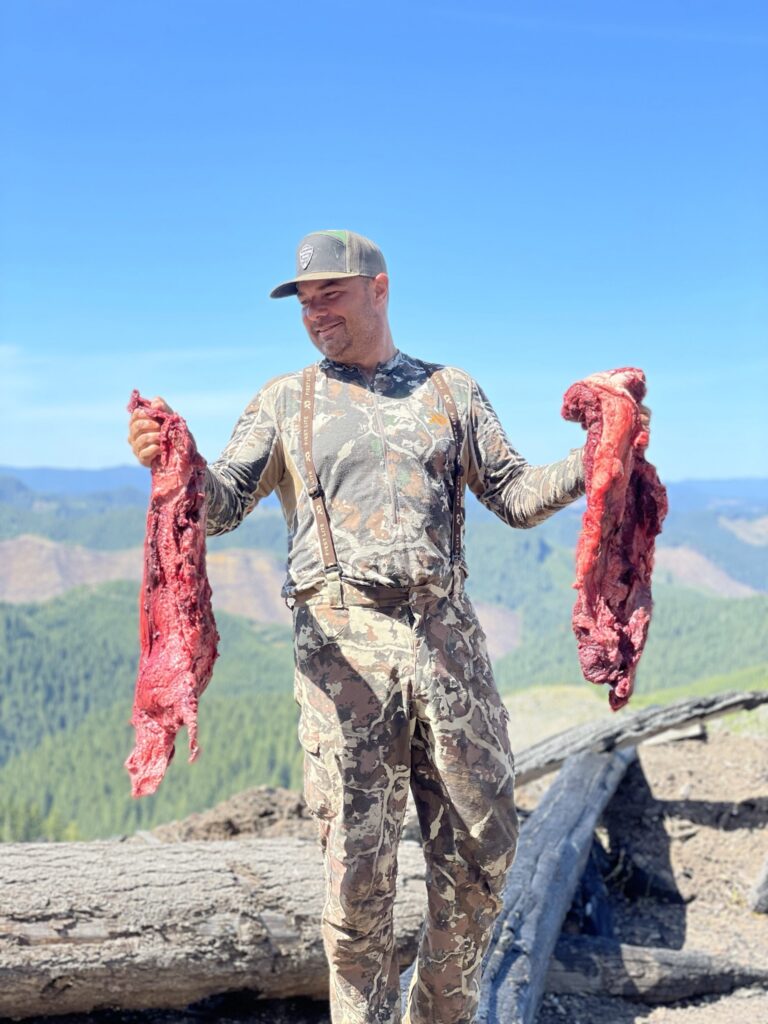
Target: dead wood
[586,965]
[86,926]
[555,842]
[591,912]
[628,729]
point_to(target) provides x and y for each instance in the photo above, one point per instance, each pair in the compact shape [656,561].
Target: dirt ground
[693,814]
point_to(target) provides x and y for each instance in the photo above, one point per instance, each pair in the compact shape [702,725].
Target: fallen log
[627,730]
[87,926]
[587,965]
[555,842]
[694,731]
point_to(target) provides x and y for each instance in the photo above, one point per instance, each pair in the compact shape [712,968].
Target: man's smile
[327,328]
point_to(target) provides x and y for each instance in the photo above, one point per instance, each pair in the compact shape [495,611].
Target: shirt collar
[345,369]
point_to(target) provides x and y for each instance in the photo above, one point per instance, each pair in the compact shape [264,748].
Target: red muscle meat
[626,504]
[177,630]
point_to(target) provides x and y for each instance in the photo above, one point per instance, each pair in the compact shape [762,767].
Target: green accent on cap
[343,236]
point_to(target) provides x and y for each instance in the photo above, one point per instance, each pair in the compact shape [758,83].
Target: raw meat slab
[177,630]
[626,504]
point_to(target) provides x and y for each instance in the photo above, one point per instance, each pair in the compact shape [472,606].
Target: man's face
[341,315]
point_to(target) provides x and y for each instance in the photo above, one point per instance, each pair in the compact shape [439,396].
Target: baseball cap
[330,254]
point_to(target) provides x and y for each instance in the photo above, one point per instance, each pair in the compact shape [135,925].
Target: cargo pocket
[317,626]
[322,787]
[322,784]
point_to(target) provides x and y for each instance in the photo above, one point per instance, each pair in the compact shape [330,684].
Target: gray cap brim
[291,287]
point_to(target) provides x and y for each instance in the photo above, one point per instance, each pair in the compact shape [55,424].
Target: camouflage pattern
[397,690]
[395,686]
[385,455]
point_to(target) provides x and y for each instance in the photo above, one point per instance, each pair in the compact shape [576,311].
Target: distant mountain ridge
[750,494]
[79,482]
[49,480]
[716,531]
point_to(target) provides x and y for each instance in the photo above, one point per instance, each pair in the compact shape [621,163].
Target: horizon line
[132,466]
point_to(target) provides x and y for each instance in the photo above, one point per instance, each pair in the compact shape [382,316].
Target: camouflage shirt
[385,453]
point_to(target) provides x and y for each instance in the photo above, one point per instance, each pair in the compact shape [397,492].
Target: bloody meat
[177,630]
[626,504]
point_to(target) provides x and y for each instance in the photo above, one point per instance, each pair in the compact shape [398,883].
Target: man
[369,451]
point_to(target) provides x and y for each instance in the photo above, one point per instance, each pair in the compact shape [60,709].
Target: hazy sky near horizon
[558,188]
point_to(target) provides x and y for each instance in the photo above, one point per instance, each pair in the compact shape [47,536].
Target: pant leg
[354,670]
[463,784]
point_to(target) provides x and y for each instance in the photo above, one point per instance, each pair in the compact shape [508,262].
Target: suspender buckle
[333,582]
[457,579]
[315,491]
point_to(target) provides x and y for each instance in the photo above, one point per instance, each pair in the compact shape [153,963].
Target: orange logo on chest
[439,418]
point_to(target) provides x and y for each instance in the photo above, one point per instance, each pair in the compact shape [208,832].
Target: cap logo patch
[305,255]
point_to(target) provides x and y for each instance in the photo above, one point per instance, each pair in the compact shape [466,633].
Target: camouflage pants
[394,695]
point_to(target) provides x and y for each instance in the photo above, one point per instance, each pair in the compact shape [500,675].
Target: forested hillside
[65,658]
[73,785]
[691,636]
[68,664]
[68,673]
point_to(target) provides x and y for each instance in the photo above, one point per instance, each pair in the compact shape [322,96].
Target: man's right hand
[144,432]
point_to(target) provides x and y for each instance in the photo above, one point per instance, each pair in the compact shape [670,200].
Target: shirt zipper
[387,470]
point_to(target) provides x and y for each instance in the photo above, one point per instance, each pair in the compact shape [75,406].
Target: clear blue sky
[558,188]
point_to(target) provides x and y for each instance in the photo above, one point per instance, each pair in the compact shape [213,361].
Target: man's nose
[315,308]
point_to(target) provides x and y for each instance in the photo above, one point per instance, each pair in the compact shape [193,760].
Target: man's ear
[381,289]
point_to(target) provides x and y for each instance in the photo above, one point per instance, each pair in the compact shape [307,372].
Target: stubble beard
[335,346]
[349,342]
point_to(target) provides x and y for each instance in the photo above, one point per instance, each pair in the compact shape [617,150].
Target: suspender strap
[317,498]
[315,492]
[458,498]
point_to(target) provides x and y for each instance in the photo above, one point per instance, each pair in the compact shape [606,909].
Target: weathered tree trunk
[86,926]
[627,730]
[554,846]
[597,966]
